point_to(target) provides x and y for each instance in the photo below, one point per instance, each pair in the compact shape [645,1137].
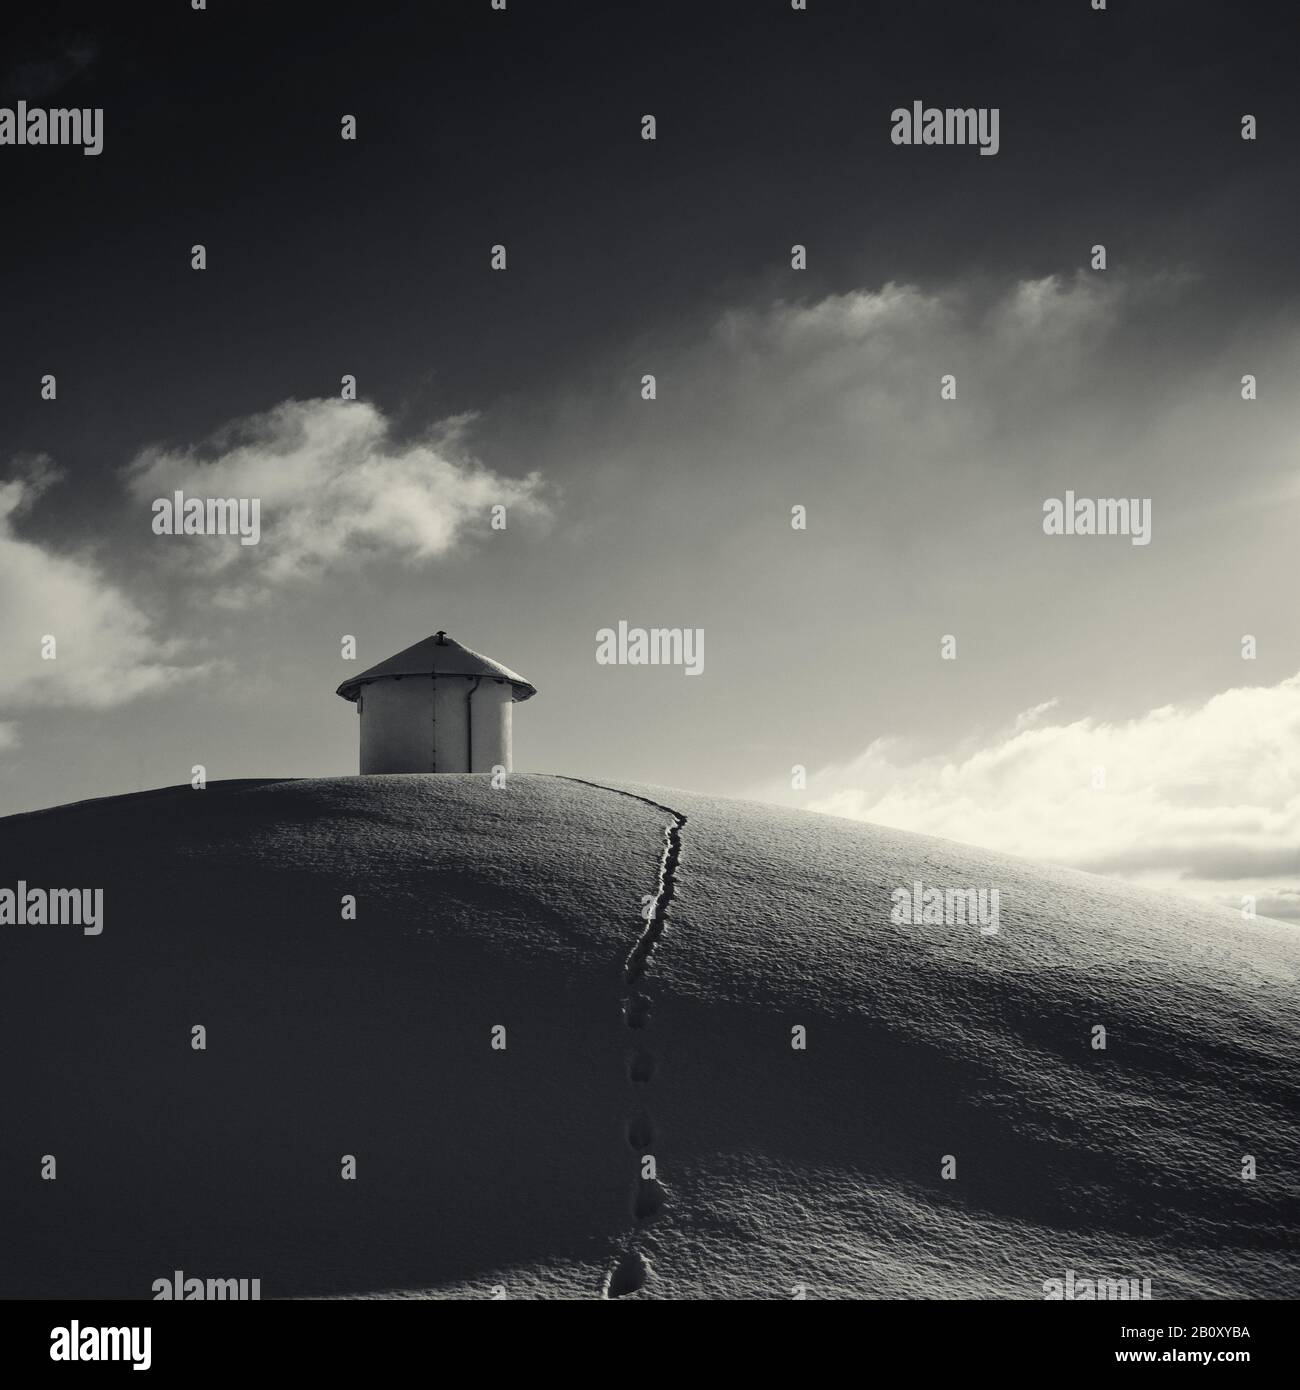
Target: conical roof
[438,655]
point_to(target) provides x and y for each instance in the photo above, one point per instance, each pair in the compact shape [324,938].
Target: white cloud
[1200,798]
[866,345]
[334,487]
[106,652]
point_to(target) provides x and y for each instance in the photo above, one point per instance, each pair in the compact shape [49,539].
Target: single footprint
[641,1068]
[629,1275]
[637,1011]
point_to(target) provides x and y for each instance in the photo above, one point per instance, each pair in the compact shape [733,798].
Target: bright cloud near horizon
[1201,799]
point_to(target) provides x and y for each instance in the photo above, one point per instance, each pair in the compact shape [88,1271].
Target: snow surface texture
[649,953]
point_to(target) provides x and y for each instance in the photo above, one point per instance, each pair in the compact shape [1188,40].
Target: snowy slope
[777,1169]
[822,1168]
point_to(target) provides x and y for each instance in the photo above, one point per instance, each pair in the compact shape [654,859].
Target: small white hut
[436,707]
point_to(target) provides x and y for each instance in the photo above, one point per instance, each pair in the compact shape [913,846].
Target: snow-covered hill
[651,956]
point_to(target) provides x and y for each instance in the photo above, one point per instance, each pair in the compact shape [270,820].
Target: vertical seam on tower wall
[469,724]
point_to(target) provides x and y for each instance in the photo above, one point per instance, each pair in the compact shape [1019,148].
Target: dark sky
[474,126]
[776,387]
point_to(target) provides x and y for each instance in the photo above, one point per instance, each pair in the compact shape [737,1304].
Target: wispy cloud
[335,489]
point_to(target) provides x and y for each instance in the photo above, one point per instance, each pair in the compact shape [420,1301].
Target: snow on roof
[438,655]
